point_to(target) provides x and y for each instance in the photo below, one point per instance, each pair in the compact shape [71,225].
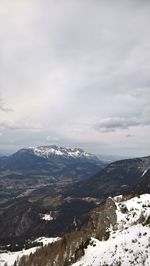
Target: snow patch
[47,240]
[47,217]
[144,172]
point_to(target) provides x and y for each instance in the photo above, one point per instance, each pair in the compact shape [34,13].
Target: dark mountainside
[143,185]
[117,178]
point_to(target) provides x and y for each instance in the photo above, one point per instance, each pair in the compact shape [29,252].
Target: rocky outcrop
[103,218]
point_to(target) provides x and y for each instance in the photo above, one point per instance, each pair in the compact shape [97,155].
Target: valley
[32,184]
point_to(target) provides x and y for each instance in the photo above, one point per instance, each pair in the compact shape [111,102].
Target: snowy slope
[131,211]
[129,241]
[11,257]
[129,247]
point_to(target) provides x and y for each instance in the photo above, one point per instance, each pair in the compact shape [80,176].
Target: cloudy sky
[75,73]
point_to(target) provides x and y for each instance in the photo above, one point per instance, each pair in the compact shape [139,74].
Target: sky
[75,73]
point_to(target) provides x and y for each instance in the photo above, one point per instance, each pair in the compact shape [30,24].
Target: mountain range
[52,161]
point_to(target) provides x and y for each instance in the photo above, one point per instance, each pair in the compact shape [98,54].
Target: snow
[47,151]
[129,247]
[129,241]
[47,217]
[74,153]
[118,198]
[79,153]
[47,240]
[11,257]
[135,208]
[144,172]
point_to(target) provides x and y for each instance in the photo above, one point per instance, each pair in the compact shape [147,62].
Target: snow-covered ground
[131,211]
[47,240]
[129,247]
[129,244]
[11,257]
[47,216]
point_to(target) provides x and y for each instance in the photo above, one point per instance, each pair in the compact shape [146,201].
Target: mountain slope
[117,178]
[143,185]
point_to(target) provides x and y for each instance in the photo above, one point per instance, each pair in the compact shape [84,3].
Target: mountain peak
[53,150]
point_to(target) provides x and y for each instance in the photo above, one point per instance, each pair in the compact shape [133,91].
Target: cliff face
[102,219]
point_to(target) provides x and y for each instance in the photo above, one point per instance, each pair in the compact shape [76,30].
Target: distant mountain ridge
[55,151]
[53,161]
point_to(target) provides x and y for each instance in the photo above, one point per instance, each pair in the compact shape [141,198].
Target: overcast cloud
[75,73]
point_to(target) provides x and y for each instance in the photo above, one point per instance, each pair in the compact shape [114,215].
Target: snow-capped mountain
[52,150]
[129,241]
[52,161]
